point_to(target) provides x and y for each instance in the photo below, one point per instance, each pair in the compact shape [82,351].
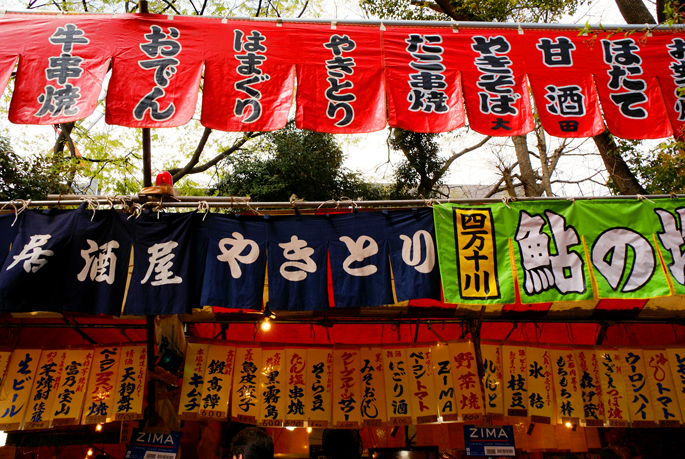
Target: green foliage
[660,170]
[419,173]
[400,10]
[294,162]
[31,178]
[475,10]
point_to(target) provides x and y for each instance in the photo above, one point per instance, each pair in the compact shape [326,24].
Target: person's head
[252,443]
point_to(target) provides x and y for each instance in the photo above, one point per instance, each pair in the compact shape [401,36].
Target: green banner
[561,250]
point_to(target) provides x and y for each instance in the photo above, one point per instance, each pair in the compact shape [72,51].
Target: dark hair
[252,443]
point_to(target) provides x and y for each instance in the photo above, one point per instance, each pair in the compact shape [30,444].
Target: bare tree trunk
[530,188]
[620,173]
[544,160]
[635,12]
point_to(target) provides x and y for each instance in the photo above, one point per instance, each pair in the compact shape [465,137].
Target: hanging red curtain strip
[350,78]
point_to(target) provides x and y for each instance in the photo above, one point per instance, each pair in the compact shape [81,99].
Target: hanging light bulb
[290,428]
[90,451]
[309,430]
[3,438]
[98,427]
[266,325]
[569,425]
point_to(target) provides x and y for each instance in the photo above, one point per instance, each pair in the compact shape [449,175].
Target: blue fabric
[33,276]
[236,262]
[7,234]
[98,268]
[414,231]
[307,259]
[363,280]
[168,264]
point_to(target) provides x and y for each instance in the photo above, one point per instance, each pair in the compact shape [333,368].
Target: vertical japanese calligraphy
[319,393]
[161,50]
[347,389]
[273,387]
[250,107]
[515,369]
[492,381]
[676,360]
[398,391]
[444,383]
[422,385]
[663,390]
[569,401]
[295,369]
[16,387]
[193,381]
[218,377]
[590,388]
[72,387]
[540,380]
[99,403]
[613,388]
[476,256]
[246,396]
[340,67]
[44,391]
[131,378]
[467,384]
[64,69]
[641,405]
[373,403]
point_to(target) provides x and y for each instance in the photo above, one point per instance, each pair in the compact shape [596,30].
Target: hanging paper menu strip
[373,407]
[467,384]
[246,396]
[216,391]
[492,381]
[540,380]
[99,403]
[397,391]
[676,360]
[590,388]
[515,381]
[319,393]
[662,387]
[347,390]
[16,388]
[295,369]
[131,378]
[72,388]
[613,388]
[569,401]
[422,385]
[272,386]
[193,381]
[44,391]
[639,397]
[444,384]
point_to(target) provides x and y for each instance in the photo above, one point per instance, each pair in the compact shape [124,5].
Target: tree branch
[178,175]
[171,5]
[456,156]
[303,9]
[214,161]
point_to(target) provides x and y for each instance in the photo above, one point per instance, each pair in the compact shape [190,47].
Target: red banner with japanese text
[343,73]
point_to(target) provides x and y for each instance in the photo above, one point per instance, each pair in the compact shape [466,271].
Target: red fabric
[319,103]
[130,83]
[276,75]
[157,62]
[408,51]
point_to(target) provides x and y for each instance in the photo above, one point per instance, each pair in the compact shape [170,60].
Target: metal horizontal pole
[433,24]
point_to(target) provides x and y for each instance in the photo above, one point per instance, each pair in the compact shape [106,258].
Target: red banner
[343,73]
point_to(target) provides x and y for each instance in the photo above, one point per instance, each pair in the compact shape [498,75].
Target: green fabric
[549,269]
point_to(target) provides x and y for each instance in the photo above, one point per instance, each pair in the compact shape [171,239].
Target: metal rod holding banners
[402,23]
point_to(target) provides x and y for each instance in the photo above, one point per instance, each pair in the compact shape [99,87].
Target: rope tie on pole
[203,206]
